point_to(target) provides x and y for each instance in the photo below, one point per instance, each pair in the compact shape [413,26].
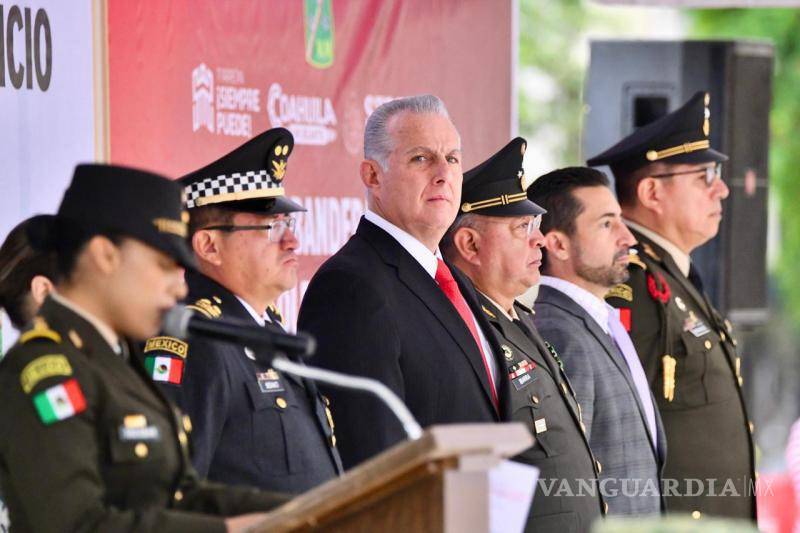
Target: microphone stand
[384,393]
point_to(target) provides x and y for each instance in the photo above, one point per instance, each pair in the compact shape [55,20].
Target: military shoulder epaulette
[39,330]
[634,259]
[208,307]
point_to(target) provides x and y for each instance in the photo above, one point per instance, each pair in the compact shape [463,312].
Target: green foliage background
[550,46]
[782,27]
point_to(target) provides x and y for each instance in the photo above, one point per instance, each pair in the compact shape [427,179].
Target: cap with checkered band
[250,178]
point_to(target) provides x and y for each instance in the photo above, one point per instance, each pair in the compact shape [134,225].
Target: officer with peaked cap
[90,443]
[253,425]
[496,242]
[668,182]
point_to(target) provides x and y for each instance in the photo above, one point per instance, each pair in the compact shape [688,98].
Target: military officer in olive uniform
[89,442]
[669,185]
[496,242]
[253,425]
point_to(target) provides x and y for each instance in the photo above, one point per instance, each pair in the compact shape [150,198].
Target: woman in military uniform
[26,275]
[90,444]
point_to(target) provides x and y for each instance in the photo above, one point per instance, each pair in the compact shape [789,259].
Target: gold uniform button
[141,450]
[707,344]
[280,402]
[751,426]
[182,438]
[735,342]
[722,336]
[599,466]
[535,399]
[178,495]
[696,515]
[187,424]
[741,380]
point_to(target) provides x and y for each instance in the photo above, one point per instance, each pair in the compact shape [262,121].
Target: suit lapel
[566,303]
[423,286]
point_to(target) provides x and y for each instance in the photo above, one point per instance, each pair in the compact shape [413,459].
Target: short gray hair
[463,220]
[377,144]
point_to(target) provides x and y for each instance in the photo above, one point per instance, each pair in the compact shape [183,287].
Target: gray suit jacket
[613,415]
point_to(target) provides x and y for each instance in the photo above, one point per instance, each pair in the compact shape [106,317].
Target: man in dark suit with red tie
[386,306]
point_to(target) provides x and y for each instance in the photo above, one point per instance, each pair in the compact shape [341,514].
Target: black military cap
[679,137]
[250,178]
[497,187]
[122,200]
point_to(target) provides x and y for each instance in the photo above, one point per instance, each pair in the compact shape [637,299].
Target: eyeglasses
[275,231]
[712,174]
[526,229]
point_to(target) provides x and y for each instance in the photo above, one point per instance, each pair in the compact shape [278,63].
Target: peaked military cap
[678,137]
[250,178]
[122,200]
[497,187]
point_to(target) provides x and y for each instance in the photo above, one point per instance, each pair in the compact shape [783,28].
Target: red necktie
[450,288]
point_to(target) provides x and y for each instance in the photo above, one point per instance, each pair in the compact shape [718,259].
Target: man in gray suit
[586,253]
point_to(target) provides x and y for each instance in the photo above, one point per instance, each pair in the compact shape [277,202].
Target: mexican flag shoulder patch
[164,368]
[59,402]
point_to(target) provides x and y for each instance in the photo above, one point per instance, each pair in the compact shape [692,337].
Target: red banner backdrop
[191,80]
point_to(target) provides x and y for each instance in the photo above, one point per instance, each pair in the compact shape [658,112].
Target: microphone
[181,322]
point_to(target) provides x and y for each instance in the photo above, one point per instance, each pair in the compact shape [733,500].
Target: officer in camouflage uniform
[253,425]
[89,443]
[496,242]
[669,185]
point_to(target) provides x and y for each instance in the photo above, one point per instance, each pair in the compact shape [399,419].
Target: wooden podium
[439,483]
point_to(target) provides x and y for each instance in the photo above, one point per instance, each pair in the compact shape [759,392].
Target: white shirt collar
[511,316]
[681,258]
[590,303]
[427,259]
[260,319]
[102,328]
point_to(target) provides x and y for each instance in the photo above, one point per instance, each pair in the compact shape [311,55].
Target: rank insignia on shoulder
[44,367]
[164,368]
[167,344]
[634,259]
[40,330]
[488,312]
[622,291]
[59,402]
[206,307]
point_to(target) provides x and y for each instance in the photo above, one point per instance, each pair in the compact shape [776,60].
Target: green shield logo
[319,33]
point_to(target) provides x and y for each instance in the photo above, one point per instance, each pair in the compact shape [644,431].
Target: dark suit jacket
[120,463]
[376,312]
[252,425]
[706,421]
[612,412]
[543,395]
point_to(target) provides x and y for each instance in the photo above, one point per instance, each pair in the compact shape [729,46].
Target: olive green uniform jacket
[538,394]
[689,355]
[89,444]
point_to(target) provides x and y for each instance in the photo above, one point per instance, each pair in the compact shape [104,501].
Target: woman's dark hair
[19,264]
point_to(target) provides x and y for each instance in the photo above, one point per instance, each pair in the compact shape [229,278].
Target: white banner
[46,104]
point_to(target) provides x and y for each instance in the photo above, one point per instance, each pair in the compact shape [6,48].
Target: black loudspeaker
[632,83]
